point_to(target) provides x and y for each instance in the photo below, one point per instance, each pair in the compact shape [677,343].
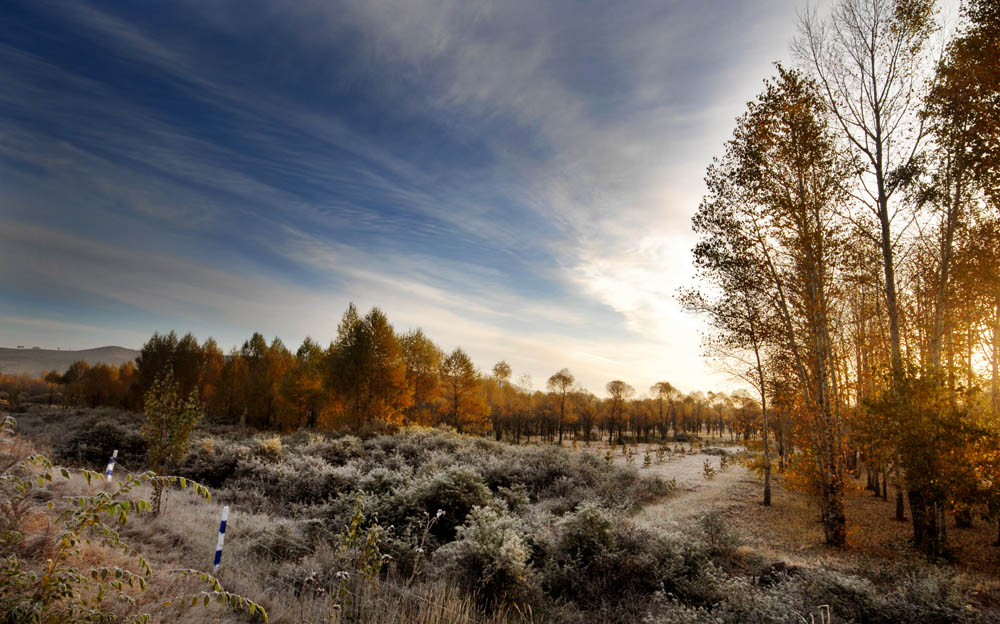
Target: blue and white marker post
[222,538]
[111,467]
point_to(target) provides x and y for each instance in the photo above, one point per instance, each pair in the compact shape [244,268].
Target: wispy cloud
[514,177]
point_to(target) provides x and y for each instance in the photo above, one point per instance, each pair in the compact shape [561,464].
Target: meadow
[426,525]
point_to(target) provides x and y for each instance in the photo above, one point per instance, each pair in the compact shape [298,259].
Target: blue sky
[513,177]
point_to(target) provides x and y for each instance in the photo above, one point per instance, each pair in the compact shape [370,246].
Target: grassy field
[425,525]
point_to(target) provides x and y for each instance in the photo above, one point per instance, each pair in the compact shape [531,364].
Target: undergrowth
[428,526]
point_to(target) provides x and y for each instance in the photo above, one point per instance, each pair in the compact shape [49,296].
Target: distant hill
[37,361]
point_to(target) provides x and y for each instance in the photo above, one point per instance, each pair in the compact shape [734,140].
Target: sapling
[707,470]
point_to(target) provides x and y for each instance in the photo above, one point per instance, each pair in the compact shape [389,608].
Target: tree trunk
[963,517]
[996,358]
[900,507]
[928,530]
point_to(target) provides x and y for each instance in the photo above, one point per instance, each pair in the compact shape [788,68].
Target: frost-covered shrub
[717,535]
[515,497]
[600,559]
[916,596]
[92,446]
[213,464]
[582,539]
[297,480]
[585,534]
[453,490]
[489,556]
[268,448]
[336,451]
[923,594]
[384,480]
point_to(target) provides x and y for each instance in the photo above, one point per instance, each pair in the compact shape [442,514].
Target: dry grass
[790,530]
[184,537]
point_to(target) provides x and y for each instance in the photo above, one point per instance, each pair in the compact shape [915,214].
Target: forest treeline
[371,377]
[849,259]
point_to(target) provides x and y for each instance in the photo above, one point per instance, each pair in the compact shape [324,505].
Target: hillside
[37,361]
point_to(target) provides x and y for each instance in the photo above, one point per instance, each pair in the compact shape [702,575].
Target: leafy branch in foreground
[58,589]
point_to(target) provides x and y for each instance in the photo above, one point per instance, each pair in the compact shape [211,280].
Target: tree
[966,92]
[561,382]
[53,379]
[461,382]
[212,363]
[170,420]
[302,388]
[368,369]
[229,401]
[586,407]
[182,355]
[771,203]
[500,411]
[266,365]
[663,390]
[868,57]
[619,392]
[423,358]
[738,307]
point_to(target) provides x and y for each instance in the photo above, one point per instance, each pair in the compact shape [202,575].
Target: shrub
[453,490]
[489,557]
[707,470]
[336,451]
[585,534]
[516,497]
[213,462]
[93,446]
[297,480]
[601,560]
[268,448]
[685,437]
[718,537]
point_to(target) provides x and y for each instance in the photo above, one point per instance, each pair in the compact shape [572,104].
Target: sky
[515,177]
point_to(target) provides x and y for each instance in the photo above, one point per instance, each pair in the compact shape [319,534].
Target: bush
[686,437]
[297,480]
[718,537]
[268,448]
[213,462]
[336,451]
[93,446]
[453,490]
[489,557]
[283,543]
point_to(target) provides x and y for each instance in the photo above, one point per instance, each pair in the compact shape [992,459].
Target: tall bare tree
[868,57]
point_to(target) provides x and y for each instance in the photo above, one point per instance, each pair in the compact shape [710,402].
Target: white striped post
[111,466]
[222,538]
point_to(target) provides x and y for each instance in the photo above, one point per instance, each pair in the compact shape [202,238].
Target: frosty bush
[489,557]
